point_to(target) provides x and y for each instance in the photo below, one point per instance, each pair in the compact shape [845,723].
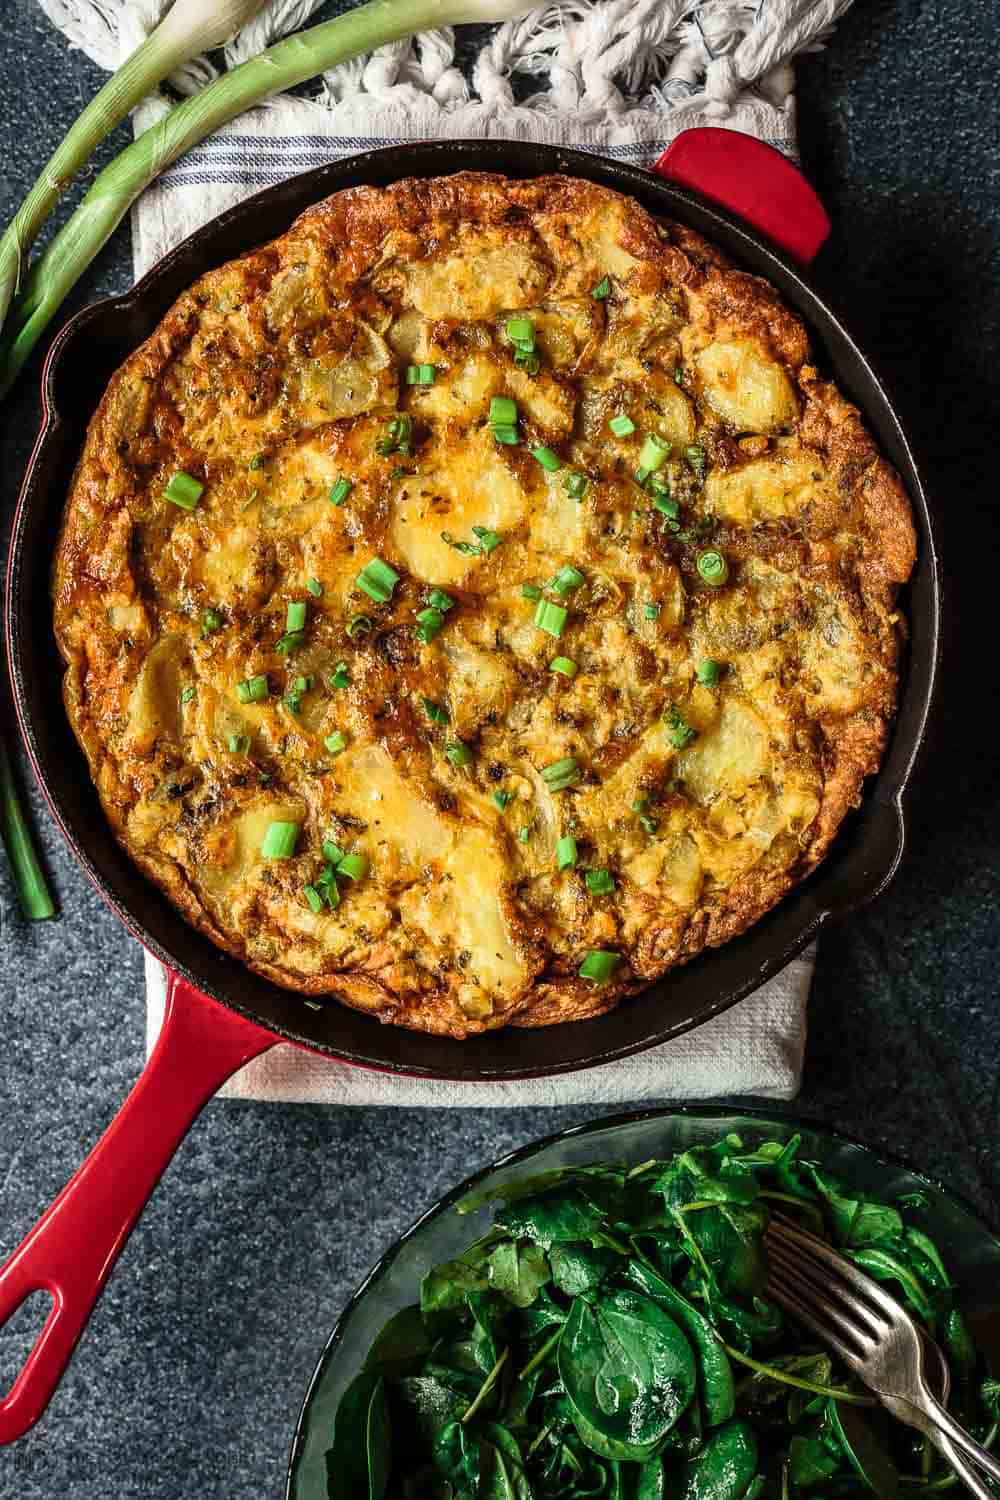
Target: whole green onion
[288,63]
[27,872]
[188,28]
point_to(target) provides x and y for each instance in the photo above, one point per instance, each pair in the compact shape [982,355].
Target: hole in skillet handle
[750,179]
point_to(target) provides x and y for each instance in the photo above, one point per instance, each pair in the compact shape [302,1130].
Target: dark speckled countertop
[189,1378]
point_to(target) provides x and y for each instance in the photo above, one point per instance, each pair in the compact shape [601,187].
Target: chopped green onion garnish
[696,458]
[336,742]
[502,798]
[521,332]
[459,754]
[295,617]
[506,435]
[397,437]
[467,549]
[524,834]
[211,621]
[315,587]
[622,425]
[280,840]
[566,852]
[599,965]
[599,882]
[708,671]
[503,411]
[547,458]
[377,580]
[567,579]
[641,809]
[434,711]
[430,622]
[257,462]
[238,744]
[713,568]
[359,625]
[253,690]
[290,641]
[530,591]
[339,677]
[187,695]
[550,617]
[678,374]
[654,453]
[667,506]
[184,491]
[340,491]
[679,731]
[293,698]
[564,666]
[420,374]
[561,774]
[354,866]
[438,599]
[489,540]
[602,289]
[576,485]
[526,361]
[313,897]
[651,611]
[332,852]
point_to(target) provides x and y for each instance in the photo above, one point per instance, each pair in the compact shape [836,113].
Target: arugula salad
[610,1336]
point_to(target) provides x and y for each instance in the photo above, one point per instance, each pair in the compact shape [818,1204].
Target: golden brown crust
[706,802]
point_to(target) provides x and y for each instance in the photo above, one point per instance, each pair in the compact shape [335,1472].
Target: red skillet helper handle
[752,180]
[73,1247]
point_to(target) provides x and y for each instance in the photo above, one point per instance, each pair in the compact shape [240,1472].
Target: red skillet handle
[73,1247]
[751,180]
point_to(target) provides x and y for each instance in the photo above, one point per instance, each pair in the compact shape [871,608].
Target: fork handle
[947,1425]
[959,1466]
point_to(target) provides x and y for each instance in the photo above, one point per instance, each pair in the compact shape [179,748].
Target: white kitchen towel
[754,1048]
[620,77]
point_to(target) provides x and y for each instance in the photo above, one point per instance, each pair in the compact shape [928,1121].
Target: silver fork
[868,1329]
[939,1376]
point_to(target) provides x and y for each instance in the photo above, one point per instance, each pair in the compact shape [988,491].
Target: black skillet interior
[82,361]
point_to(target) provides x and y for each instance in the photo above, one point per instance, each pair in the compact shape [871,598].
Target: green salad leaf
[610,1336]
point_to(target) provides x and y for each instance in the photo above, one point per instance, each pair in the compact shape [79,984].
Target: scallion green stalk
[288,63]
[25,868]
[188,28]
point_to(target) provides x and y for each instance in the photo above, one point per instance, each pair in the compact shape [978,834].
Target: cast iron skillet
[219,1013]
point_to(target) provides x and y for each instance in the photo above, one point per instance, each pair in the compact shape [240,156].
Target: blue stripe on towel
[254,161]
